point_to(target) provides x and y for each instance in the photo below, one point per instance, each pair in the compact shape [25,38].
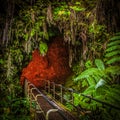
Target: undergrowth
[101,80]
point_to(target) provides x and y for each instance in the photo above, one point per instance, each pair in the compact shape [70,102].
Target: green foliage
[99,82]
[99,63]
[113,50]
[92,75]
[113,70]
[77,6]
[69,106]
[97,30]
[88,64]
[16,109]
[62,11]
[43,48]
[10,90]
[1,61]
[113,60]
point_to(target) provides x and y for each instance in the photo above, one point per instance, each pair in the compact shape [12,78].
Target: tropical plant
[113,50]
[99,81]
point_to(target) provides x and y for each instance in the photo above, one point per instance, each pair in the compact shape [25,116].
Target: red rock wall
[54,66]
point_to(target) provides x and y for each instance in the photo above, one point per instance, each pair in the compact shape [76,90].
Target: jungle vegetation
[92,31]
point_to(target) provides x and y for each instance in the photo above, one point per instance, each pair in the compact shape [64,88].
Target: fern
[115,38]
[116,47]
[113,60]
[86,73]
[117,42]
[113,95]
[117,33]
[100,83]
[112,54]
[99,79]
[115,70]
[117,52]
[91,80]
[89,90]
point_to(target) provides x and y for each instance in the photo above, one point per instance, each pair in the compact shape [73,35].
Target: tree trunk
[108,13]
[8,24]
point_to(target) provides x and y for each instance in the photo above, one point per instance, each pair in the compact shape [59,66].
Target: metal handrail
[56,108]
[73,91]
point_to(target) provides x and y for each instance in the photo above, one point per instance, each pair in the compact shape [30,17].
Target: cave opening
[53,66]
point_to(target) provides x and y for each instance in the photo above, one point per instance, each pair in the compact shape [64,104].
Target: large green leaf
[99,63]
[43,48]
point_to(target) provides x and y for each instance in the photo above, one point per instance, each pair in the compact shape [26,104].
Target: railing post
[61,91]
[45,85]
[72,97]
[53,90]
[25,88]
[28,90]
[48,86]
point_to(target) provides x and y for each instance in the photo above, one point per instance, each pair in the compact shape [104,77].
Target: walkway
[46,104]
[44,107]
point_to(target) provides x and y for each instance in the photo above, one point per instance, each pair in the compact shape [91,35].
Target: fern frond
[99,63]
[117,42]
[115,70]
[115,38]
[116,91]
[91,80]
[89,90]
[113,48]
[113,98]
[117,52]
[86,73]
[100,97]
[84,83]
[113,60]
[100,83]
[118,33]
[96,77]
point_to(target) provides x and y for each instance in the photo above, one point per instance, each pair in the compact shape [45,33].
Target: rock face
[53,66]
